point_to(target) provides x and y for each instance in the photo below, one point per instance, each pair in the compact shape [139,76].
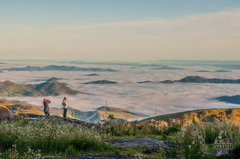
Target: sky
[123,30]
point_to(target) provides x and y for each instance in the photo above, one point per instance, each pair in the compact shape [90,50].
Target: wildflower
[220,137]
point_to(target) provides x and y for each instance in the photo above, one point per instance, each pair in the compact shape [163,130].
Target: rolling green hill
[49,88]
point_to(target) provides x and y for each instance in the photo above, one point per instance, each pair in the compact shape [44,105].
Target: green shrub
[235,153]
[170,153]
[71,150]
[174,128]
[210,156]
[117,152]
[192,141]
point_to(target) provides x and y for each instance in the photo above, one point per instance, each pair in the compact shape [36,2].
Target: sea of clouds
[146,98]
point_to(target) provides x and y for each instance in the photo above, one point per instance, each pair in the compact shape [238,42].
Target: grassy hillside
[48,88]
[92,116]
[201,115]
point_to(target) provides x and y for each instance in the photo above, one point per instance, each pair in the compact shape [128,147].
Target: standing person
[65,107]
[46,108]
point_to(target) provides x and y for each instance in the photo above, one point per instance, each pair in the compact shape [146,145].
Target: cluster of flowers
[42,130]
[47,136]
[12,153]
[139,155]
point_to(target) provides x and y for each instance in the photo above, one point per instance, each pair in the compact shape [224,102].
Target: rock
[149,144]
[220,153]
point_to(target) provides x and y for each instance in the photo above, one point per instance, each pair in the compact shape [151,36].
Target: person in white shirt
[65,107]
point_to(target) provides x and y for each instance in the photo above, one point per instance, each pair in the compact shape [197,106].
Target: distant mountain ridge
[90,116]
[167,68]
[48,88]
[58,68]
[198,79]
[213,71]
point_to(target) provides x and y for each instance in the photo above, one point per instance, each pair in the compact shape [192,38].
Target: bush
[192,141]
[170,153]
[117,152]
[235,153]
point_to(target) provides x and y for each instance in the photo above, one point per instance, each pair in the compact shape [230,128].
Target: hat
[44,99]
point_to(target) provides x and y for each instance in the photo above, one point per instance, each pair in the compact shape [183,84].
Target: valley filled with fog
[152,98]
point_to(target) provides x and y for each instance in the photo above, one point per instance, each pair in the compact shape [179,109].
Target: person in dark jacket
[46,108]
[65,107]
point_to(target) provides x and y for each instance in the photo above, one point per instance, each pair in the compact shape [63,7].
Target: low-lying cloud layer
[145,98]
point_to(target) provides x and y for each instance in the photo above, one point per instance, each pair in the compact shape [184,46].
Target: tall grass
[48,136]
[141,129]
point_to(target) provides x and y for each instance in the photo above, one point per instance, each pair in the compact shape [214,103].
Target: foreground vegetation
[22,135]
[24,138]
[196,139]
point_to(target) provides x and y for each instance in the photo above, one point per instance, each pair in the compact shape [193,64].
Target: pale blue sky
[121,30]
[51,13]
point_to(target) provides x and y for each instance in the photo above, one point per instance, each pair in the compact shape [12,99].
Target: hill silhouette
[59,68]
[230,99]
[167,68]
[222,71]
[48,88]
[101,82]
[203,71]
[94,74]
[145,82]
[198,79]
[20,107]
[213,71]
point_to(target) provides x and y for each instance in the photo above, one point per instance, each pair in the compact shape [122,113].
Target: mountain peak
[48,88]
[54,79]
[192,79]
